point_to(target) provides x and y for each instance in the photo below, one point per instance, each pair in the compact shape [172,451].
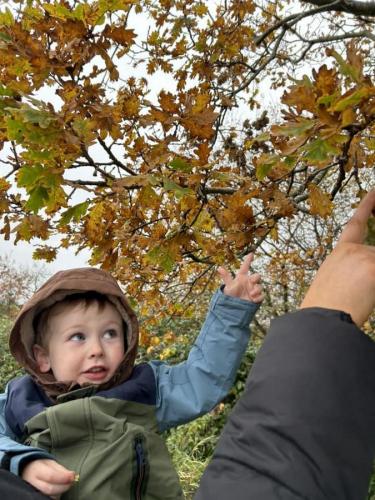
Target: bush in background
[8,366]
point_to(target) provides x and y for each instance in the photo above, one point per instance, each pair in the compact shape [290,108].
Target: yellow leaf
[4,185]
[134,180]
[201,102]
[131,106]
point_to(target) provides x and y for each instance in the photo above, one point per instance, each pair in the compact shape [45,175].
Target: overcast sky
[22,254]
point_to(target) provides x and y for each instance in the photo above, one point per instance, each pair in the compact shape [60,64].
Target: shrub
[8,366]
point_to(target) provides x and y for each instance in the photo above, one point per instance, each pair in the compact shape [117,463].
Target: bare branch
[350,6]
[114,159]
[295,18]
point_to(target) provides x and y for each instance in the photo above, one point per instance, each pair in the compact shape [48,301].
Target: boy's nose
[96,349]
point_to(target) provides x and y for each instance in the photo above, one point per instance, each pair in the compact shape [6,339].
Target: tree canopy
[169,136]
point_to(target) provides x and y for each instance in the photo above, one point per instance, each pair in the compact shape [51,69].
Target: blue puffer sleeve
[14,455]
[192,388]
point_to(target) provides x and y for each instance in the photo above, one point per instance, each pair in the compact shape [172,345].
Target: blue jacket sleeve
[192,388]
[14,455]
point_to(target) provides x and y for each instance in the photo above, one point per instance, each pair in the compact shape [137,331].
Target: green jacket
[112,445]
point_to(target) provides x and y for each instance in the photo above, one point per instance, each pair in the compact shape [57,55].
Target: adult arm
[346,279]
[303,428]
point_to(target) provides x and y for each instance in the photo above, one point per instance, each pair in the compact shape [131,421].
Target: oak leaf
[120,35]
[320,202]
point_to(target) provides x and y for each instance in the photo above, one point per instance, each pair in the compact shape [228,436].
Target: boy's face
[85,344]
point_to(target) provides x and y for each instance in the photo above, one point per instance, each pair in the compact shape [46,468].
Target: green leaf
[264,166]
[37,117]
[58,11]
[79,12]
[327,100]
[352,99]
[4,91]
[292,129]
[178,190]
[82,127]
[33,12]
[160,255]
[37,200]
[15,129]
[5,37]
[114,5]
[265,136]
[40,136]
[180,165]
[74,213]
[290,161]
[345,68]
[305,81]
[37,155]
[263,170]
[320,150]
[28,176]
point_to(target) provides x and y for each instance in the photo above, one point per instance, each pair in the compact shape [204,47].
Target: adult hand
[48,476]
[346,279]
[243,285]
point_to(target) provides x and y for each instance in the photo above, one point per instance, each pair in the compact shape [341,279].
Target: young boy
[85,422]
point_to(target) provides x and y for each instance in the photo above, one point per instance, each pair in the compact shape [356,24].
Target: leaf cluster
[157,149]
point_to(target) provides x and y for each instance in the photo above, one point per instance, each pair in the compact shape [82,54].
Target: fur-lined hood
[59,286]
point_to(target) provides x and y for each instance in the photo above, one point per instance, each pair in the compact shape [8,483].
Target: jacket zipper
[141,467]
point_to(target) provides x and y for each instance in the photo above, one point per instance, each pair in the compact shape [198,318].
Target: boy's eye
[77,337]
[110,334]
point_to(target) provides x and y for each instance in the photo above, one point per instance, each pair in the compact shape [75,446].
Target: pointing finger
[245,266]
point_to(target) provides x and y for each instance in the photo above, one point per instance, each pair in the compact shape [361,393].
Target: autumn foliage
[142,130]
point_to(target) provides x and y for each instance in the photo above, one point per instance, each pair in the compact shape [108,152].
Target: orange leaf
[320,202]
[325,80]
[167,102]
[120,35]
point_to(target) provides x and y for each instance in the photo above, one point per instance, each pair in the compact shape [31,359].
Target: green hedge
[8,366]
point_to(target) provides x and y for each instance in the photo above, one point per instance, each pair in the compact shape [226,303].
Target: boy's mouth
[96,373]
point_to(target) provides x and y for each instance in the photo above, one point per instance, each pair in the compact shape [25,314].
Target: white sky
[22,254]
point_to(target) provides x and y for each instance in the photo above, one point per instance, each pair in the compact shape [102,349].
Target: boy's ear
[42,358]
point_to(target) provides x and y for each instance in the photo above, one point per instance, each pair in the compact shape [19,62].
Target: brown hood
[59,286]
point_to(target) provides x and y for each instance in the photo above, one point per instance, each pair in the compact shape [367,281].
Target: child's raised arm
[193,387]
[243,285]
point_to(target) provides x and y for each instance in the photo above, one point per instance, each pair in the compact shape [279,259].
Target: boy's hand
[48,476]
[243,285]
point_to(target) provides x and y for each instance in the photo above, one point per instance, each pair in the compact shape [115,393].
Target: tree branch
[355,7]
[294,18]
[114,159]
